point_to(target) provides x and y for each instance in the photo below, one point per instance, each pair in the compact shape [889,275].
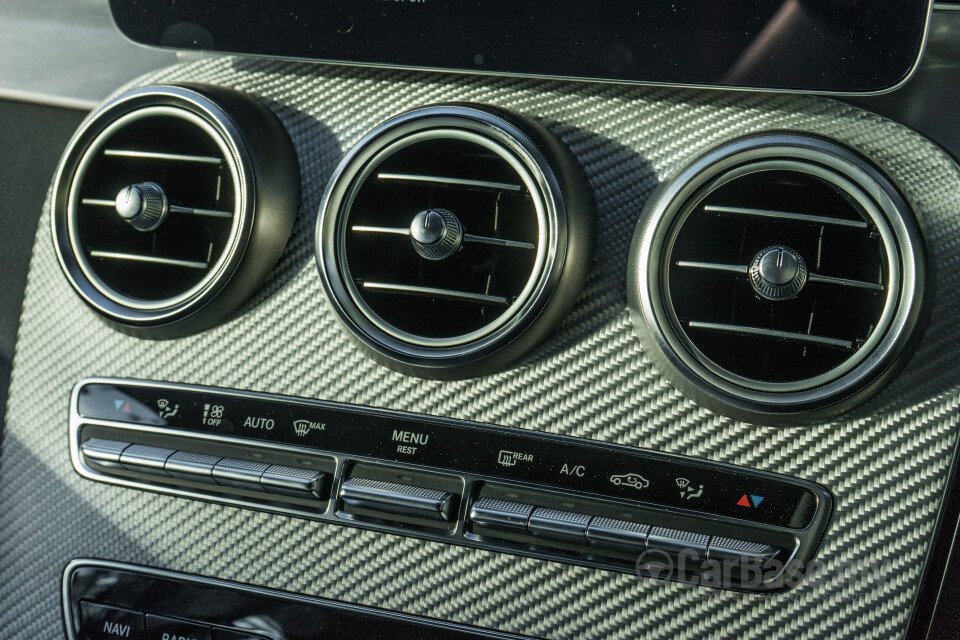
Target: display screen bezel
[793,45]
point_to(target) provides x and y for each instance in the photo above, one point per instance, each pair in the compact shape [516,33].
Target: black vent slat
[813,277]
[453,183]
[157,155]
[467,237]
[102,202]
[399,231]
[99,202]
[194,211]
[845,282]
[149,259]
[713,266]
[498,242]
[430,292]
[788,216]
[802,338]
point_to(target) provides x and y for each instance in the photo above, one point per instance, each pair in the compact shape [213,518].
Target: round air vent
[172,204]
[778,278]
[453,238]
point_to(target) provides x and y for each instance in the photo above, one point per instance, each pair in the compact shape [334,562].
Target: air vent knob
[436,234]
[778,273]
[143,205]
[427,228]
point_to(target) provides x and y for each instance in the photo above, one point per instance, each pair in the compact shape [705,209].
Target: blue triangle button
[756,500]
[117,404]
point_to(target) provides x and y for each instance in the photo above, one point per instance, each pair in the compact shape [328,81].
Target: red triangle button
[743,502]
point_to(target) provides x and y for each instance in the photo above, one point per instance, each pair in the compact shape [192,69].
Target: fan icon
[687,490]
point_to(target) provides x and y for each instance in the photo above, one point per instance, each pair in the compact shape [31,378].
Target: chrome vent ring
[507,225]
[162,262]
[779,278]
[158,199]
[446,233]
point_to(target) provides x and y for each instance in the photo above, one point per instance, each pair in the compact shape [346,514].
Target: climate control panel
[501,489]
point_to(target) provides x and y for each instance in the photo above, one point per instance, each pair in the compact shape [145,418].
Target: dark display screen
[814,45]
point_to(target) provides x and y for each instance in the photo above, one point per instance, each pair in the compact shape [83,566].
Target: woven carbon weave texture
[886,465]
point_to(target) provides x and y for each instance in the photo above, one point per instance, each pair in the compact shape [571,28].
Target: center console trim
[799,543]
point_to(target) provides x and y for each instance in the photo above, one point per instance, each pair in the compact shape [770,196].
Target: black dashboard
[430,320]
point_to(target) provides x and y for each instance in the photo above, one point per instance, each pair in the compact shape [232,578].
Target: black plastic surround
[429,477]
[818,45]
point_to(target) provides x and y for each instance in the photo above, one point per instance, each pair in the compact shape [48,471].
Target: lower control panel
[533,494]
[110,601]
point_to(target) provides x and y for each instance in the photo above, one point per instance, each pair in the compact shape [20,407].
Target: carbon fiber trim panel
[886,464]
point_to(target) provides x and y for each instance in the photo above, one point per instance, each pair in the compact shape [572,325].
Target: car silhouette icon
[631,480]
